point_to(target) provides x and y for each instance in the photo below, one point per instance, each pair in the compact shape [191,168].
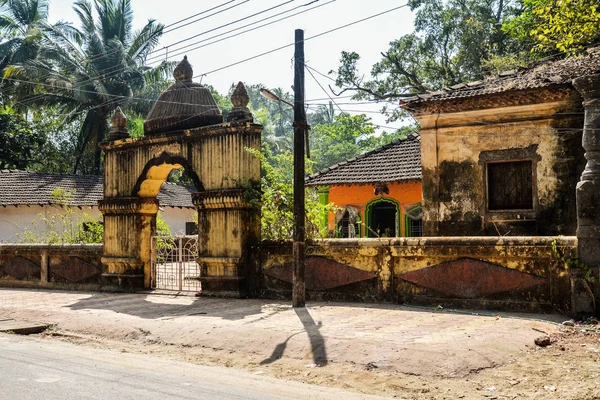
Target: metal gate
[174,264]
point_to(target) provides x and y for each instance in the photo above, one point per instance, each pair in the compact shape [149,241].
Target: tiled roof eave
[475,97]
[363,182]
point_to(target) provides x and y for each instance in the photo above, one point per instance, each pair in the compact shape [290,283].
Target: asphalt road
[35,368]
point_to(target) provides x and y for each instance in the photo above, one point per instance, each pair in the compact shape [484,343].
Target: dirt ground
[387,350]
[567,369]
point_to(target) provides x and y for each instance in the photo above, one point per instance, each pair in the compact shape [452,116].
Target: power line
[203,12]
[115,51]
[306,39]
[291,44]
[347,111]
[320,73]
[227,24]
[175,23]
[106,94]
[327,98]
[245,26]
[107,73]
[117,97]
[322,88]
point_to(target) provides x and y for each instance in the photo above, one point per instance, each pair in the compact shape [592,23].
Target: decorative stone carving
[240,99]
[322,273]
[184,105]
[183,71]
[220,199]
[20,268]
[588,194]
[74,269]
[467,278]
[128,205]
[118,128]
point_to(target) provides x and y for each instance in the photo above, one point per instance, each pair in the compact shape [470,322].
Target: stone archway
[184,129]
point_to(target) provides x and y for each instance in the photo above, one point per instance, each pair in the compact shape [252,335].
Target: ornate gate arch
[184,129]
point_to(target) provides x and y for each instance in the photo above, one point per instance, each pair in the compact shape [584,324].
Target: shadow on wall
[317,342]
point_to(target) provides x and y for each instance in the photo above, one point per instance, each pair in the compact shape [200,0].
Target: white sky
[368,38]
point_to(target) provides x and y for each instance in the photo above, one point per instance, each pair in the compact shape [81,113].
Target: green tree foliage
[348,136]
[277,221]
[162,229]
[20,141]
[450,44]
[276,117]
[551,25]
[21,23]
[91,70]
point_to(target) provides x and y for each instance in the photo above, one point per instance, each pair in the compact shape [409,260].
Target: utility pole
[300,129]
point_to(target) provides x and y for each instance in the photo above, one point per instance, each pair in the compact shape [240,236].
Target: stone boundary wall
[497,273]
[60,266]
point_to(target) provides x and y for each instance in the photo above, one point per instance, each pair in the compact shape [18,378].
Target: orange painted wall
[359,195]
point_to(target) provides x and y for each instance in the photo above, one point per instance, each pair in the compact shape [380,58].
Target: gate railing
[174,264]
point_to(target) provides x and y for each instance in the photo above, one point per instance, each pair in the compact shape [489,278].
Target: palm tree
[88,71]
[20,29]
[21,33]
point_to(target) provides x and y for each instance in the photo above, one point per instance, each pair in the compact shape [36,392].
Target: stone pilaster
[588,195]
[228,226]
[129,224]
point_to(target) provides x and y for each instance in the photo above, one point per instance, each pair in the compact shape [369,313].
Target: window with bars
[510,185]
[349,227]
[414,228]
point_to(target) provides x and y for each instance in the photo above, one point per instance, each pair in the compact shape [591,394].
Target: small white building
[29,200]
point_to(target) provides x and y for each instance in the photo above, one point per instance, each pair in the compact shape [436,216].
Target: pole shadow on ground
[317,342]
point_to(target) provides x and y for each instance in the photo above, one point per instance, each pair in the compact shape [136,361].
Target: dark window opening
[415,228]
[510,185]
[191,228]
[349,225]
[383,220]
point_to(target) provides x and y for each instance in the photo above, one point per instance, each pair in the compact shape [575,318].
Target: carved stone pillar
[588,194]
[118,126]
[129,224]
[240,111]
[227,228]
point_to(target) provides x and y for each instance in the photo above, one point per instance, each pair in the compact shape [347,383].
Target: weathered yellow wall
[389,258]
[216,156]
[454,147]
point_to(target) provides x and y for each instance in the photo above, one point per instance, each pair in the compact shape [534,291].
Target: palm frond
[64,31]
[159,72]
[144,41]
[83,9]
[8,24]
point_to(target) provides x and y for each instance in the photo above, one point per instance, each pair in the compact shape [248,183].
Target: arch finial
[118,126]
[183,71]
[240,100]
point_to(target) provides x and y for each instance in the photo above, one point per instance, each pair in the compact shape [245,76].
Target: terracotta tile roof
[396,162]
[539,75]
[174,195]
[35,188]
